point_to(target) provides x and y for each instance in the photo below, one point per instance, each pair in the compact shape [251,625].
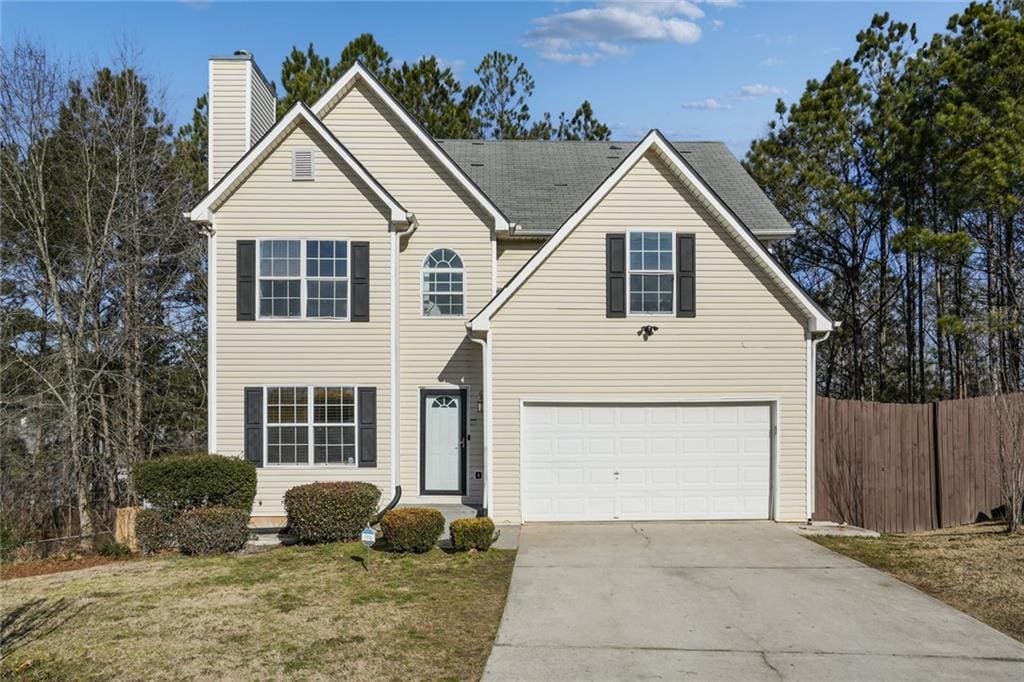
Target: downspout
[393,302]
[485,348]
[211,341]
[811,419]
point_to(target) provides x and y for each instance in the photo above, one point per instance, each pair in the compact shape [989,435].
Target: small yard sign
[369,537]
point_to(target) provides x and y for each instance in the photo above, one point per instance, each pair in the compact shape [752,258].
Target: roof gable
[818,320]
[359,72]
[203,211]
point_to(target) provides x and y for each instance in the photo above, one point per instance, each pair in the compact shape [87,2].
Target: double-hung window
[334,425]
[280,278]
[303,278]
[287,425]
[326,278]
[298,416]
[651,272]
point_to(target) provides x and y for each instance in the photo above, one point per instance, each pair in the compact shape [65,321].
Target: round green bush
[176,483]
[212,530]
[470,534]
[412,529]
[154,529]
[329,512]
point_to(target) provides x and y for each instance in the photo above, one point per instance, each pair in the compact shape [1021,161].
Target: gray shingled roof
[539,184]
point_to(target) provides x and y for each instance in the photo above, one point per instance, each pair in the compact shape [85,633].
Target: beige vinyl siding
[552,339]
[512,255]
[434,352]
[269,204]
[263,106]
[228,113]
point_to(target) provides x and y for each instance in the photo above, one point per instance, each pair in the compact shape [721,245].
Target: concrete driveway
[724,601]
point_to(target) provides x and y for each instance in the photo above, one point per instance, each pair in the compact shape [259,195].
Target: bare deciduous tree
[102,270]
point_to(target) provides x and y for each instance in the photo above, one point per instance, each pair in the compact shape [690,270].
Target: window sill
[303,319]
[313,466]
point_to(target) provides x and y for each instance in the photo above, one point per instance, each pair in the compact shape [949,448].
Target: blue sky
[696,70]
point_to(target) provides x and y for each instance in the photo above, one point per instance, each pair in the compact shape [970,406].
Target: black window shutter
[615,274]
[254,425]
[367,399]
[245,279]
[360,282]
[686,275]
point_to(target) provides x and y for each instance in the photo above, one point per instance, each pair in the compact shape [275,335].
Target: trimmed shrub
[329,512]
[469,534]
[212,530]
[412,529]
[154,530]
[112,549]
[176,483]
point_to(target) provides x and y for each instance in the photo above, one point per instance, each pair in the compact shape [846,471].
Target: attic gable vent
[302,164]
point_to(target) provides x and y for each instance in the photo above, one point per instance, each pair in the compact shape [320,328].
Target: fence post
[937,464]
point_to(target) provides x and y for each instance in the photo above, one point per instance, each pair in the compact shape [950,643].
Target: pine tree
[505,89]
[304,77]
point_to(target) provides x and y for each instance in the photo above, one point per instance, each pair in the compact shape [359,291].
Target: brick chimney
[242,106]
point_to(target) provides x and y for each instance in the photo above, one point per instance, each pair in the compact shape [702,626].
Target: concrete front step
[451,511]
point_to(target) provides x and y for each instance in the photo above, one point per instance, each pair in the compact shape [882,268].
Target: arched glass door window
[443,284]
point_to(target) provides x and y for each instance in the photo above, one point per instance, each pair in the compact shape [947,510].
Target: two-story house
[546,330]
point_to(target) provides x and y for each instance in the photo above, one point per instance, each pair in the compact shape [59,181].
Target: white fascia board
[817,320]
[203,212]
[357,70]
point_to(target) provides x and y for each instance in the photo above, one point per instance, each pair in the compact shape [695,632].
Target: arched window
[443,284]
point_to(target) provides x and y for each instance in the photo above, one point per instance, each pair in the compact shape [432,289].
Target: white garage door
[646,462]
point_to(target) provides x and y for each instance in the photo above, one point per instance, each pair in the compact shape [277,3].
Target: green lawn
[299,612]
[978,569]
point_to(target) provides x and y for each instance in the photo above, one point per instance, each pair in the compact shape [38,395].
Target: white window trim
[309,424]
[465,284]
[312,165]
[302,316]
[629,271]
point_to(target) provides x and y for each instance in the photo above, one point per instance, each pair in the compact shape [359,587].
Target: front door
[443,442]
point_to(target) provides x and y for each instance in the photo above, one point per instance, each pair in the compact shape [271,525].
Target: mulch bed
[25,569]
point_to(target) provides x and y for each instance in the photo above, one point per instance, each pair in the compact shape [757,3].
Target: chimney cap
[243,53]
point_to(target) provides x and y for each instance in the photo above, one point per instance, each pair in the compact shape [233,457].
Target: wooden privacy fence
[897,467]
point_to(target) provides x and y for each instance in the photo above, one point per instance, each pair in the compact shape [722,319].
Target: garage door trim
[773,417]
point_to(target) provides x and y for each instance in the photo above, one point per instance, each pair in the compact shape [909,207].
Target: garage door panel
[646,462]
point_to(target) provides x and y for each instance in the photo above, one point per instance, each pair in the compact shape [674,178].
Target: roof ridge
[483,142]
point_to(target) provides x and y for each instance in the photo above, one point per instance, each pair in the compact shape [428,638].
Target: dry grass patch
[978,569]
[306,612]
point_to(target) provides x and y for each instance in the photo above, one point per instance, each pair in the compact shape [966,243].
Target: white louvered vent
[302,164]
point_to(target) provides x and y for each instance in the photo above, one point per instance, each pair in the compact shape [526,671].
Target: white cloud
[717,24]
[456,65]
[760,90]
[586,36]
[721,3]
[708,104]
[771,61]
